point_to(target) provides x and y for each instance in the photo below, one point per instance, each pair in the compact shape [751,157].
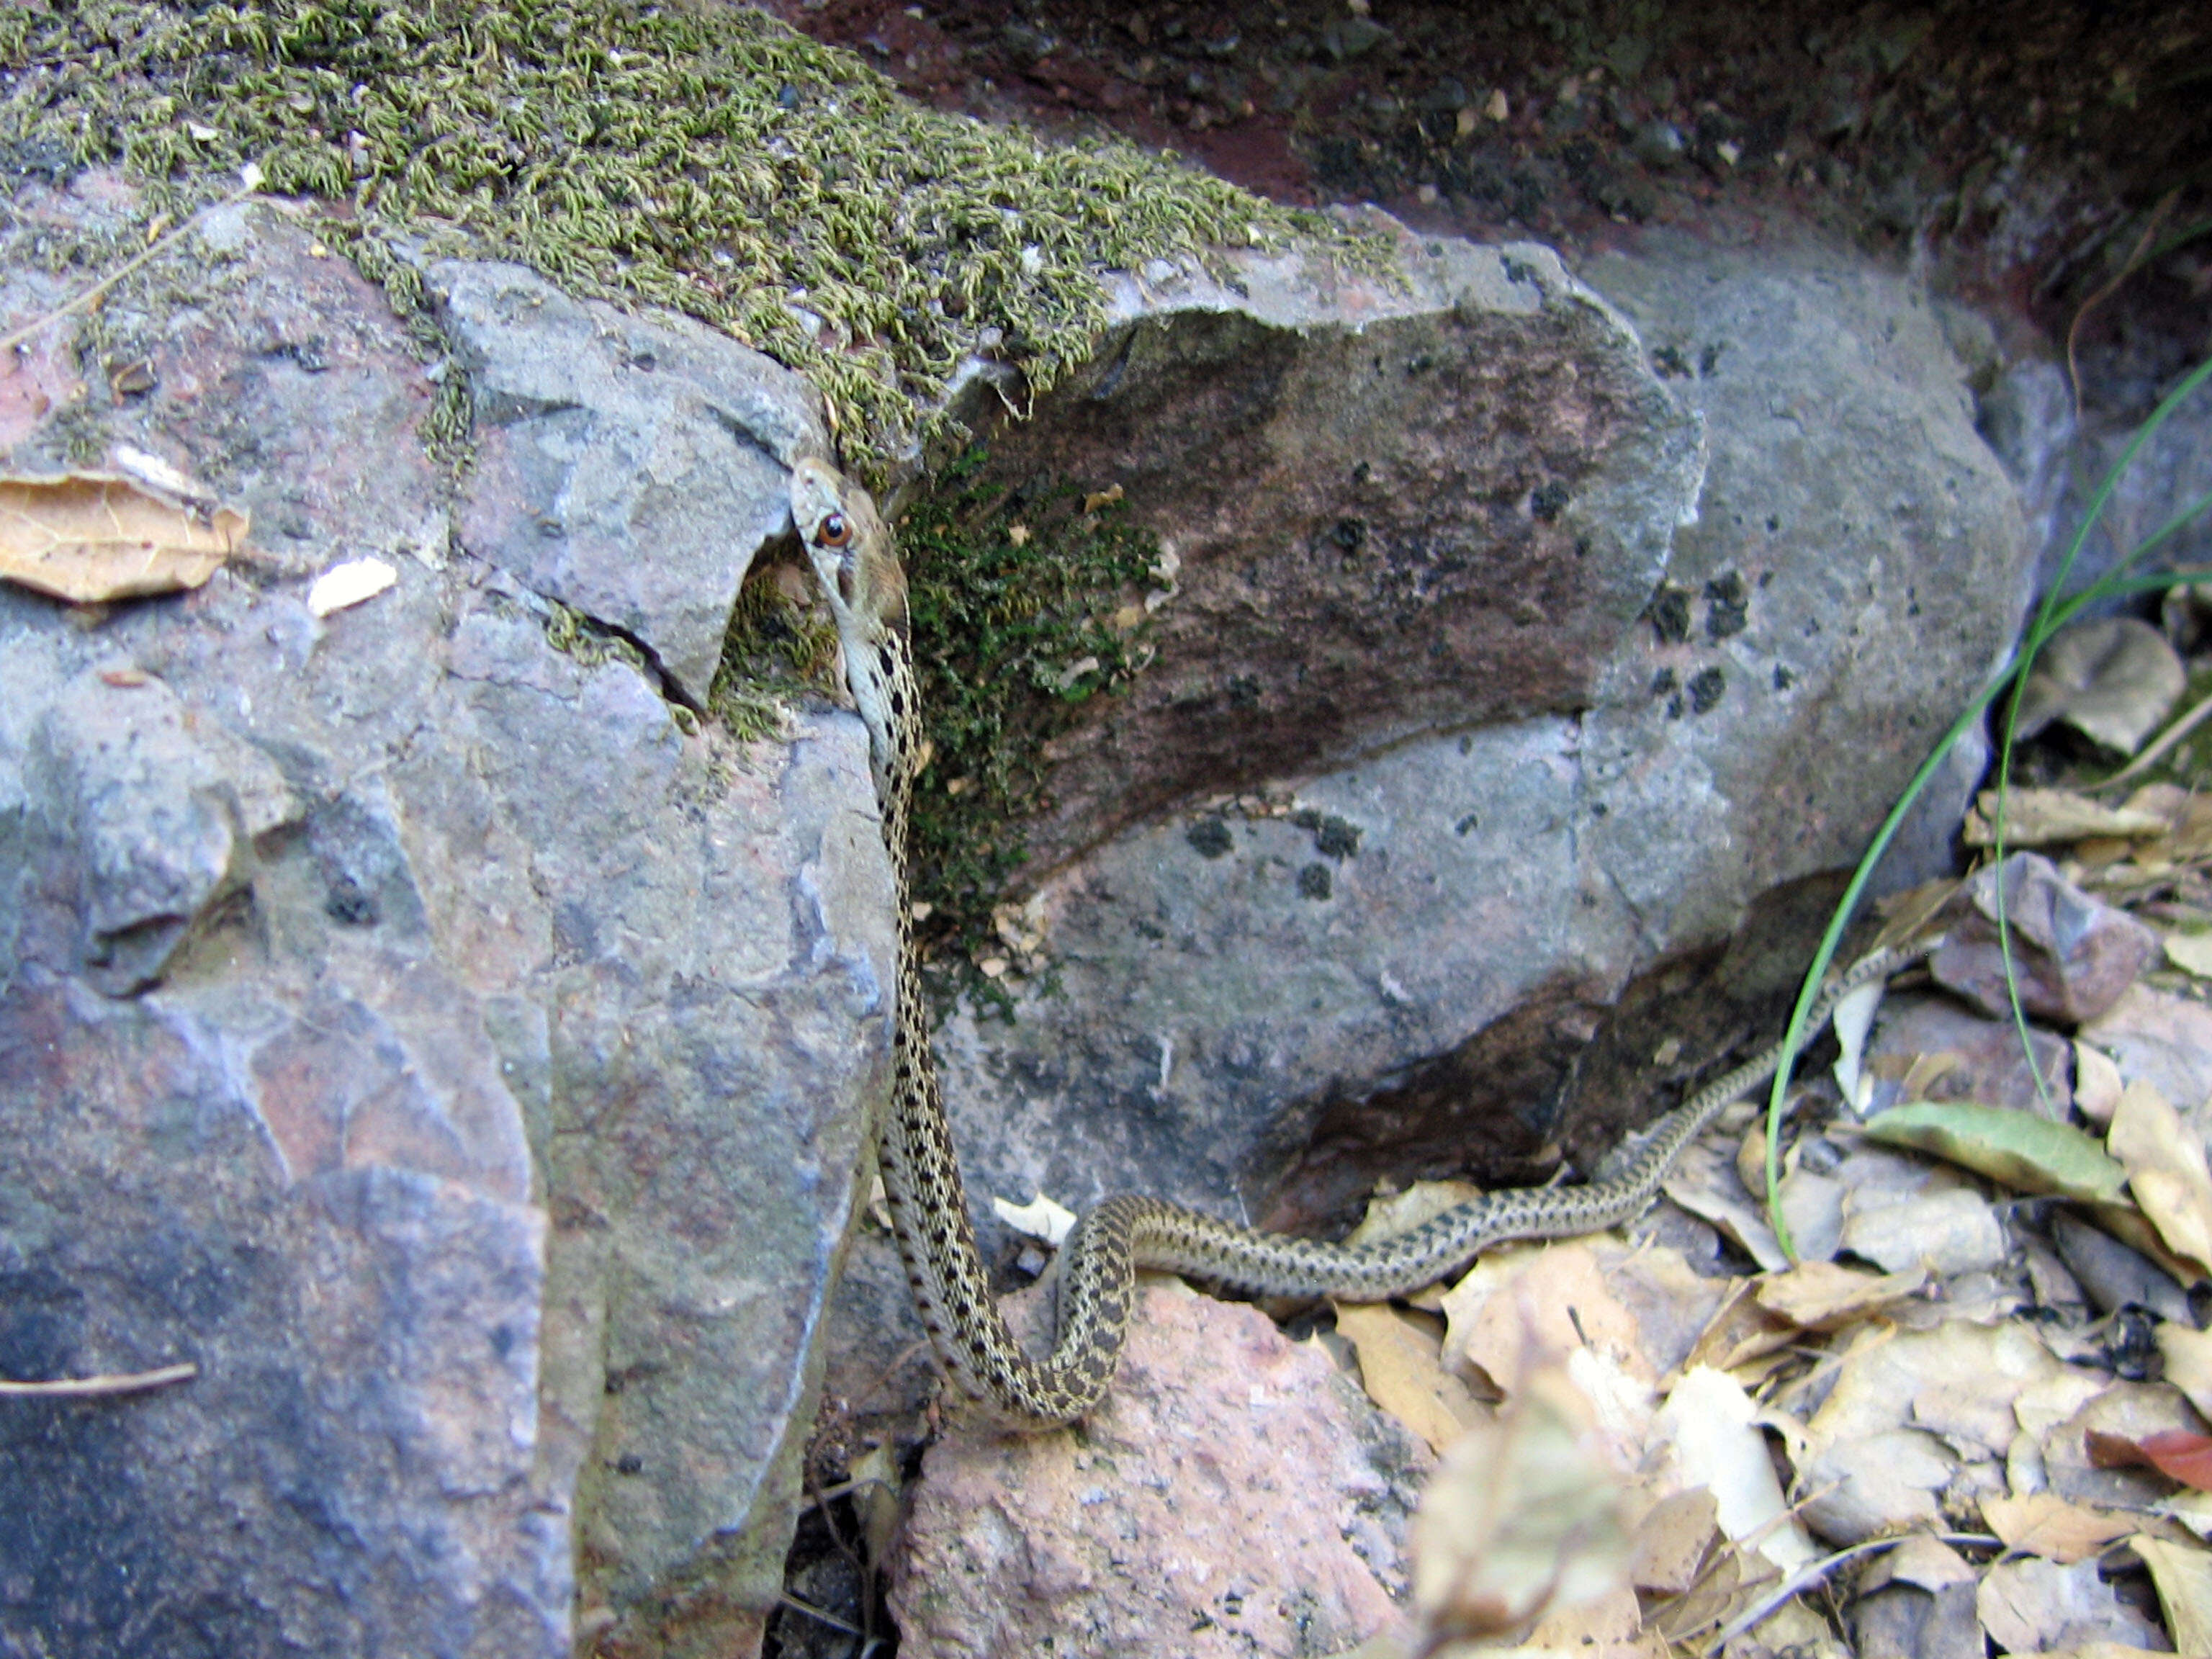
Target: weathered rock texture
[408,1024]
[1395,506]
[1235,1495]
[1589,744]
[624,466]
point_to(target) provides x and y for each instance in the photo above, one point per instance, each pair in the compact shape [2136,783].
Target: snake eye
[834,532]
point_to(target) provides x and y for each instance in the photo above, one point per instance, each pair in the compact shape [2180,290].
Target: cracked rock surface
[416,1028]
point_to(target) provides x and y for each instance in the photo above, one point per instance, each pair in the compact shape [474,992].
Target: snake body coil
[852,553]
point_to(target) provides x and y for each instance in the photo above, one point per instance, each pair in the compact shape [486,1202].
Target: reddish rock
[2073,955]
[1234,1496]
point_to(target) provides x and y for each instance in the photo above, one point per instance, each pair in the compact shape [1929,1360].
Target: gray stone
[1533,894]
[1394,510]
[2060,460]
[629,466]
[1236,1496]
[2073,957]
[1983,1057]
[419,1030]
[1880,579]
[137,822]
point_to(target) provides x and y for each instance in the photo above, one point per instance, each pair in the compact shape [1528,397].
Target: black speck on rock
[1706,688]
[1314,881]
[1669,615]
[1210,836]
[348,901]
[1728,603]
[1333,837]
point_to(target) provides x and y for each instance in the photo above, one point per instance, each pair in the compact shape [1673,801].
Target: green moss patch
[698,156]
[779,650]
[1027,603]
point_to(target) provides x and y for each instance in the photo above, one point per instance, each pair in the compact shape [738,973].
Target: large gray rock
[628,466]
[1396,505]
[2061,459]
[413,1027]
[1508,897]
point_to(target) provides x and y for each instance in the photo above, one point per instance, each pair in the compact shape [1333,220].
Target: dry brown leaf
[91,537]
[1739,1331]
[1522,1518]
[2182,1575]
[1709,1421]
[1704,1182]
[2048,817]
[1518,1304]
[1671,1541]
[2044,1523]
[1706,1603]
[2097,1084]
[1820,1296]
[2180,1454]
[2192,1509]
[1607,1628]
[1925,1562]
[1947,1230]
[2191,952]
[1904,915]
[2166,1170]
[1671,1300]
[2188,1355]
[1401,1367]
[2034,1605]
[2111,678]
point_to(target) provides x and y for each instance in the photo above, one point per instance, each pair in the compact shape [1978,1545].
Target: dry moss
[703,157]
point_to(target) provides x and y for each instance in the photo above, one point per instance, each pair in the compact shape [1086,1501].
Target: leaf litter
[1983,1379]
[91,537]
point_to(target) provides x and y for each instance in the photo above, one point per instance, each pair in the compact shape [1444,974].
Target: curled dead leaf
[2180,1454]
[2044,1523]
[1524,1517]
[1820,1296]
[2047,817]
[2166,1170]
[91,537]
[2183,1577]
[1401,1367]
[2111,678]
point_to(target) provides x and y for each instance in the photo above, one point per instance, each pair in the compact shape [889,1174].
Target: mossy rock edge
[698,156]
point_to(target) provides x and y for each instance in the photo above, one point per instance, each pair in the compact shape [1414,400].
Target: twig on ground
[91,296]
[92,1388]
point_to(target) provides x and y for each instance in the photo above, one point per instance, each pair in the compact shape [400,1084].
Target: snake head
[851,552]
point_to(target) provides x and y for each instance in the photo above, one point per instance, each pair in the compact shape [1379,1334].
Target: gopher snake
[852,553]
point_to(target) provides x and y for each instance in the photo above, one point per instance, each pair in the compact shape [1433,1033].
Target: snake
[855,560]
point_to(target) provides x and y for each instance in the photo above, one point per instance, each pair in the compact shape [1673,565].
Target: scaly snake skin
[852,553]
